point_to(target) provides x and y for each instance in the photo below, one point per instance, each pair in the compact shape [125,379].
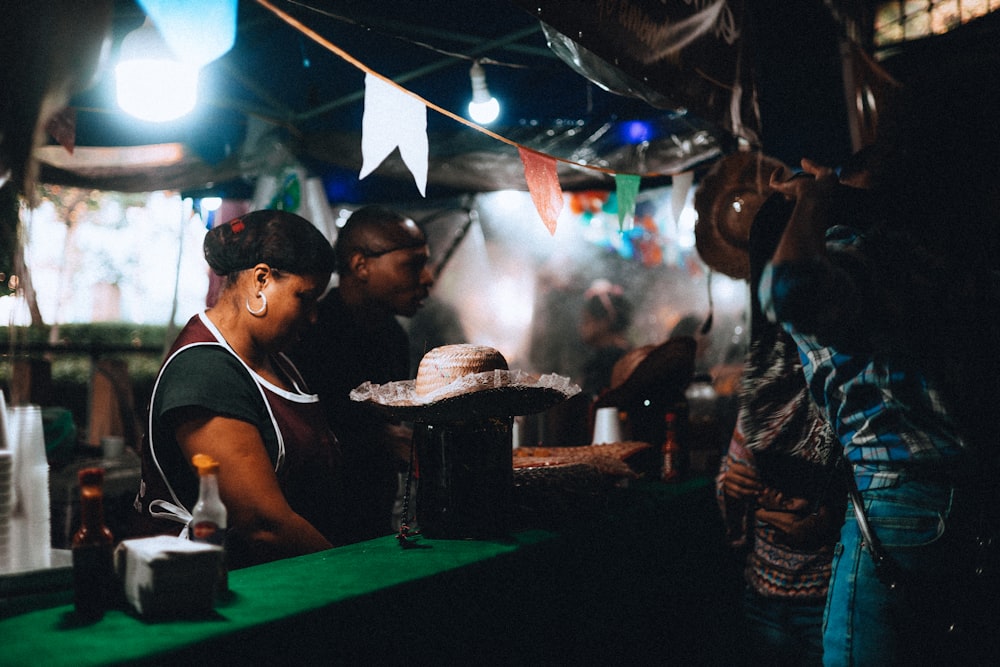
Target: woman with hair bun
[227,390]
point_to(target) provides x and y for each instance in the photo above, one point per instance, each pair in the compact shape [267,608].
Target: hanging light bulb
[196,31]
[157,73]
[151,83]
[483,108]
[209,204]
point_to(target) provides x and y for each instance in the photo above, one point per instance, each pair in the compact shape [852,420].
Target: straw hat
[466,382]
[663,369]
[727,199]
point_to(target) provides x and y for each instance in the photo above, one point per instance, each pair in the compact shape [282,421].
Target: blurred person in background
[603,327]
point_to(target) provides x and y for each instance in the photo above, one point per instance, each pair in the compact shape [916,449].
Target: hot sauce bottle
[671,451]
[93,571]
[208,518]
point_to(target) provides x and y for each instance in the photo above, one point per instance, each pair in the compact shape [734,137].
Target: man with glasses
[384,272]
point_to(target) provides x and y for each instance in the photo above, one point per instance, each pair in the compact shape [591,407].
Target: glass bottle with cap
[670,469]
[93,570]
[208,518]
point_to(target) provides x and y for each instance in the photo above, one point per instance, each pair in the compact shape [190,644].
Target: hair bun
[280,239]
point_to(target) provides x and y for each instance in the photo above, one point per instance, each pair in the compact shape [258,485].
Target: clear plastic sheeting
[692,57]
[591,151]
[599,71]
[658,144]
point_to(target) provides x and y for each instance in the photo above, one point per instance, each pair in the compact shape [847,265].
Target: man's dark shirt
[343,350]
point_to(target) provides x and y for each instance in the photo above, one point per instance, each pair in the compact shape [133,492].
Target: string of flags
[395,117]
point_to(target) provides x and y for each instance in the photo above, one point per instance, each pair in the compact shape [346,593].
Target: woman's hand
[772,499]
[796,525]
[740,481]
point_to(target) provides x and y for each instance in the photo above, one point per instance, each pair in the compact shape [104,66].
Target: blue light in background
[636,132]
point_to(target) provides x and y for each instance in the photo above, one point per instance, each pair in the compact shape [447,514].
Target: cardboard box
[168,577]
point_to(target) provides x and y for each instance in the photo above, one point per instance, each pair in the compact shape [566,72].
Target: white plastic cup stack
[6,506]
[607,426]
[31,536]
[6,488]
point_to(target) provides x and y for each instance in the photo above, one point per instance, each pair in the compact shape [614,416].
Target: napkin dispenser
[168,577]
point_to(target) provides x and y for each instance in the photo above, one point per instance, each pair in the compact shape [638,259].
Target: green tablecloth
[646,580]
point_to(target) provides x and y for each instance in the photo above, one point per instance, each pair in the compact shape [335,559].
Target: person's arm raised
[813,194]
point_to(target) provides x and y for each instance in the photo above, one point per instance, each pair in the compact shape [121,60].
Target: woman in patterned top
[777,489]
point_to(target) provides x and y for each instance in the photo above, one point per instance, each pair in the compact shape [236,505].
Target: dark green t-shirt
[210,377]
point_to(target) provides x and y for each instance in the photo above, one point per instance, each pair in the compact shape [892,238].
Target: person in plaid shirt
[895,321]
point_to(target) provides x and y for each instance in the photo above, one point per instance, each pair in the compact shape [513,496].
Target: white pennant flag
[393,118]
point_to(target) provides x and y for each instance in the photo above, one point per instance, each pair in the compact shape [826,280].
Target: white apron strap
[162,509]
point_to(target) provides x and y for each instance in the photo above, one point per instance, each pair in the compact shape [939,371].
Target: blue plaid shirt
[887,414]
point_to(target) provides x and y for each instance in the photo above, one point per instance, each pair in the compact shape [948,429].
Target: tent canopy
[630,86]
[282,92]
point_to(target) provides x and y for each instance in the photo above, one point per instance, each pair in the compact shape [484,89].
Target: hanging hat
[727,199]
[651,370]
[466,382]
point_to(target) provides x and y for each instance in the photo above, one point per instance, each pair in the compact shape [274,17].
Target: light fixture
[159,63]
[207,207]
[196,31]
[483,108]
[151,83]
[210,204]
[636,132]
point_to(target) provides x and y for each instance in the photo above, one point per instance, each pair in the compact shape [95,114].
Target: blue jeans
[865,622]
[783,631]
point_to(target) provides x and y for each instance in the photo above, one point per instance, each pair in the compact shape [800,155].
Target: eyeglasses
[378,253]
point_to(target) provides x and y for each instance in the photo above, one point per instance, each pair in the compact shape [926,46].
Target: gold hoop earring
[263,305]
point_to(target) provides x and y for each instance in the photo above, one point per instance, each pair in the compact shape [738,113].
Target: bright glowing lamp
[196,31]
[151,83]
[637,132]
[210,204]
[157,73]
[484,108]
